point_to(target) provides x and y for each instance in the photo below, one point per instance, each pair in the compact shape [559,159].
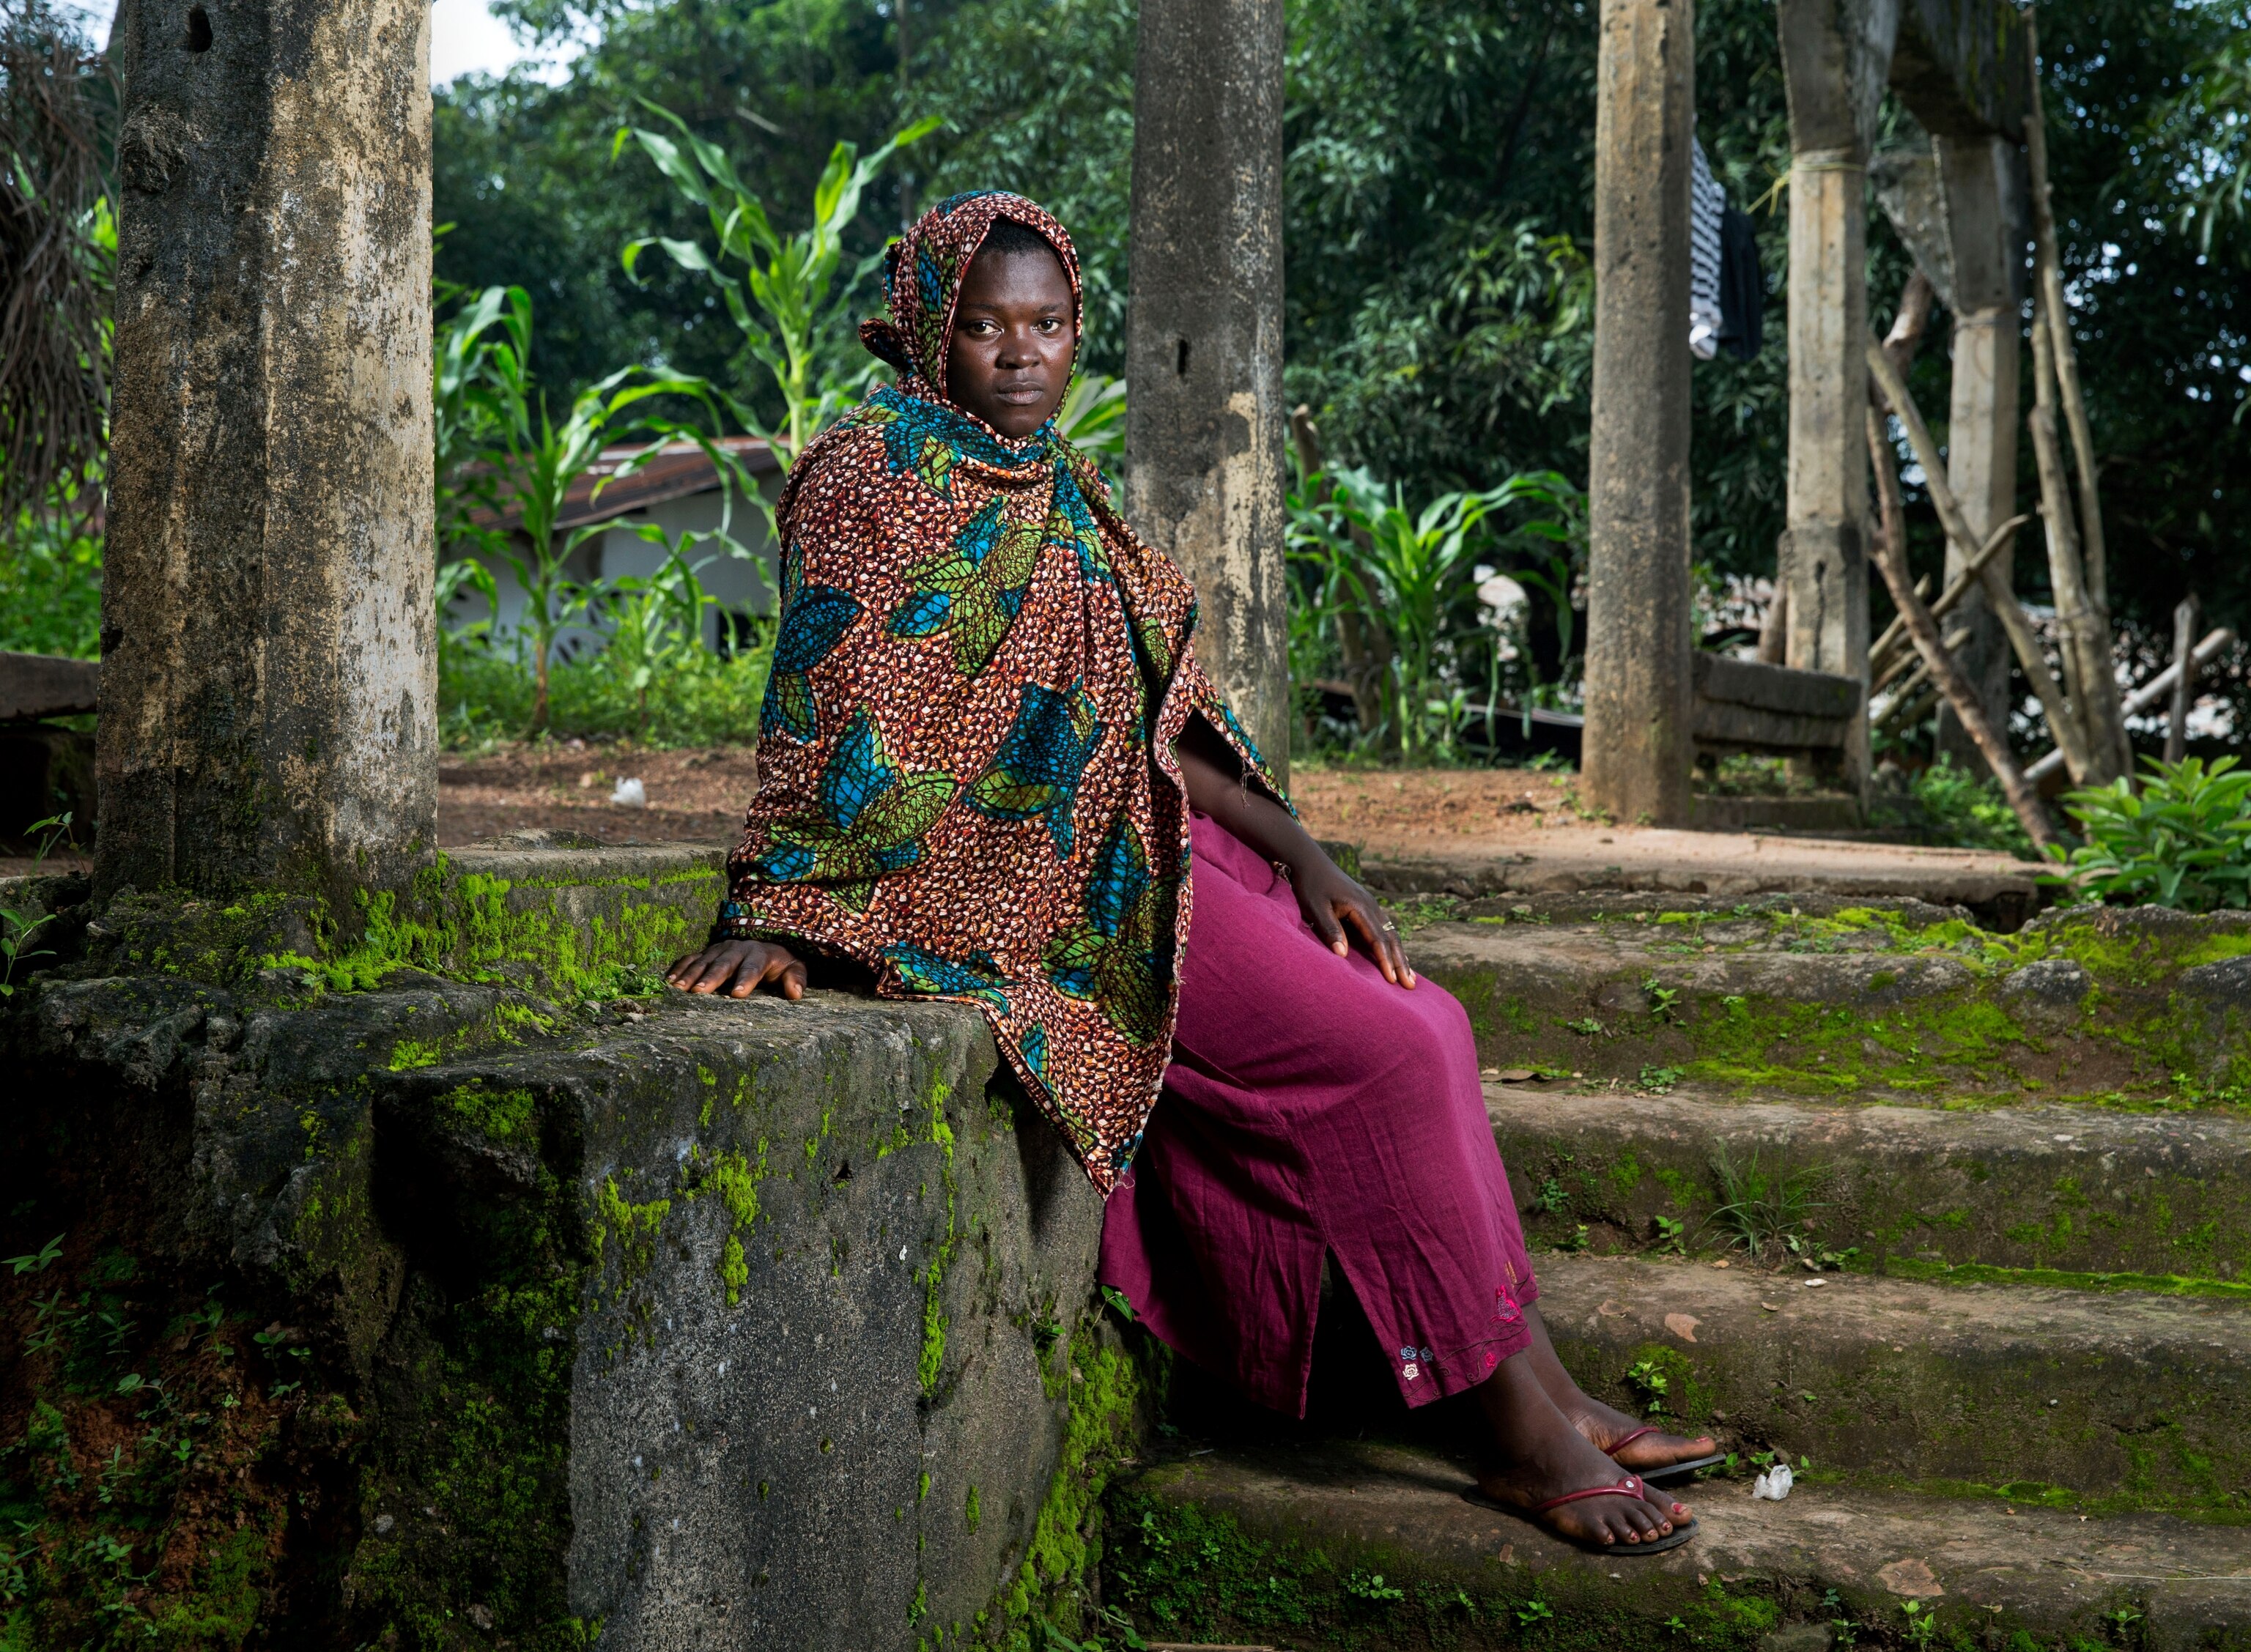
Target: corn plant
[1361,549]
[532,464]
[2183,840]
[1093,418]
[18,928]
[795,315]
[654,622]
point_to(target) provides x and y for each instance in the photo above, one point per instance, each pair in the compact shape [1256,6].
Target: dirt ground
[697,796]
[1512,828]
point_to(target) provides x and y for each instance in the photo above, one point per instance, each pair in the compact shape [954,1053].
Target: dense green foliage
[2182,840]
[1439,180]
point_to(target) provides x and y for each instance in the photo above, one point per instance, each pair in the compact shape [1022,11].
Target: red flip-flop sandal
[1668,1471]
[1631,1486]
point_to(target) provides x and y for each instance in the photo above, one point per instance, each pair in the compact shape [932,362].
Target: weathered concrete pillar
[1836,54]
[1639,736]
[268,680]
[1981,457]
[1205,423]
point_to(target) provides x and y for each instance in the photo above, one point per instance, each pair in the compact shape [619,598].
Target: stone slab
[1572,858]
[727,1325]
[2089,1189]
[1881,1005]
[2062,1395]
[1785,690]
[1365,1517]
[35,686]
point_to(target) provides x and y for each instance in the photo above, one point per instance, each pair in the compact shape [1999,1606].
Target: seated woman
[991,770]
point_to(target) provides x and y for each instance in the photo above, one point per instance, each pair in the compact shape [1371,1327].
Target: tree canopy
[1439,204]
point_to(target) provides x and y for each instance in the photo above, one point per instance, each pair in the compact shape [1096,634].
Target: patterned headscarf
[966,778]
[923,270]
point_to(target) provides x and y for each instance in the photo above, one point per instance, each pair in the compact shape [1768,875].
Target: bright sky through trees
[465,38]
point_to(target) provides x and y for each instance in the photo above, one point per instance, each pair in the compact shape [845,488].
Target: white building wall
[743,584]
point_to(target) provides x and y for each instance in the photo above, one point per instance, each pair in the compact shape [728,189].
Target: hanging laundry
[1707,206]
[1742,286]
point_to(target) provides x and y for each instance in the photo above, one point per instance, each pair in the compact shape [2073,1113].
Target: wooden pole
[1891,562]
[2049,263]
[1640,742]
[2185,620]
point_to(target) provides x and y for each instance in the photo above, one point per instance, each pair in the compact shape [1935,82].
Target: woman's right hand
[739,968]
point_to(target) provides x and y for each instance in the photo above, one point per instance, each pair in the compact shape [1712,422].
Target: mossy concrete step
[735,1325]
[2069,1397]
[1373,1546]
[828,1328]
[1903,1001]
[1577,860]
[2090,1190]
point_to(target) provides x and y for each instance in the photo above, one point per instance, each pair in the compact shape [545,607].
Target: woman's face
[1008,361]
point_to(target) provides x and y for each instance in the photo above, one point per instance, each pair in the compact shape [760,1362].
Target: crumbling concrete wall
[711,1323]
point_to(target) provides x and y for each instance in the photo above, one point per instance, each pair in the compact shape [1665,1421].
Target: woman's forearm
[1217,786]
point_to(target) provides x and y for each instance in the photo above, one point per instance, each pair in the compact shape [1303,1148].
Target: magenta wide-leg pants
[1312,1106]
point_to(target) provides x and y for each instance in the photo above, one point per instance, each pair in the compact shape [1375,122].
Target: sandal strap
[1631,1486]
[1617,1446]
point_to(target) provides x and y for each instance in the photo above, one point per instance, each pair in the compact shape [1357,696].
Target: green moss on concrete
[1187,1572]
[1110,1388]
[627,1231]
[464,1504]
[498,1115]
[576,940]
[1979,1274]
[734,1176]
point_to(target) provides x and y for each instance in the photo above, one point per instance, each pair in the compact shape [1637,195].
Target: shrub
[1951,808]
[485,695]
[2183,840]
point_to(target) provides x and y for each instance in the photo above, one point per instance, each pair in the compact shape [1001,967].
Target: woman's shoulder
[832,469]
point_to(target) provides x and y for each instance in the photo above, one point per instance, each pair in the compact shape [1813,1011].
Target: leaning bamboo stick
[1912,689]
[1891,562]
[1879,651]
[1880,662]
[2215,643]
[2088,674]
[2185,618]
[2069,735]
[2049,262]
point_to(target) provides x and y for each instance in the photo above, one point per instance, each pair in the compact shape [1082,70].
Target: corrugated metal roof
[679,471]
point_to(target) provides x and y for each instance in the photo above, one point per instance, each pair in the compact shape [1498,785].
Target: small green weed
[1764,1212]
[1647,1379]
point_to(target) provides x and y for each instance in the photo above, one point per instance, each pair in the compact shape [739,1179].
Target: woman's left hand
[1331,902]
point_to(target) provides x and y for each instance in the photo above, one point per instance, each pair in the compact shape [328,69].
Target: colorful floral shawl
[978,680]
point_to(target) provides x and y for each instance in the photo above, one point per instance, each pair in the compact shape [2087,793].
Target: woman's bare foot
[1604,1426]
[1532,1454]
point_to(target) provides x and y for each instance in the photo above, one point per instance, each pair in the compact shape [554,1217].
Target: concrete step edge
[1295,1547]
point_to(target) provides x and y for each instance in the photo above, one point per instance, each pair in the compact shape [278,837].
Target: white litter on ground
[630,794]
[1774,1484]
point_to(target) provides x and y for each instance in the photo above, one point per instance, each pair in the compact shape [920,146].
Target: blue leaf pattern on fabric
[813,620]
[923,970]
[1036,770]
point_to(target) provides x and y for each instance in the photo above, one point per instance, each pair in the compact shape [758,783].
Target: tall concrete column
[1205,423]
[1640,743]
[268,682]
[1981,456]
[1836,54]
